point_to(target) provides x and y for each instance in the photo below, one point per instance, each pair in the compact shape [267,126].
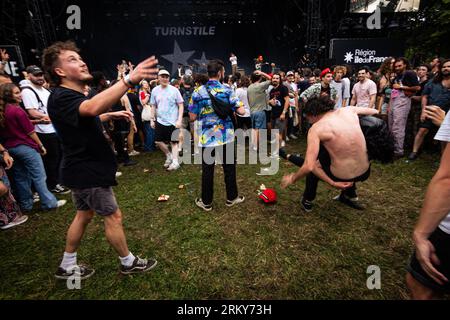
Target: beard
[39,82]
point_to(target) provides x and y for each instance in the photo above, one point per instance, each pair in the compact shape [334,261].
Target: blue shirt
[212,130]
[438,95]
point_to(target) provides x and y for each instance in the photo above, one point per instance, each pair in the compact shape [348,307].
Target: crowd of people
[63,129]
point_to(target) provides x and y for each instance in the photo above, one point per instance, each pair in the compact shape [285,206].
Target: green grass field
[252,251]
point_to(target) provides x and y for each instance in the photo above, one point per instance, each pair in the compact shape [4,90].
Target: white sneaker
[118,174]
[168,163]
[283,144]
[236,201]
[134,153]
[15,223]
[61,203]
[287,139]
[293,136]
[173,166]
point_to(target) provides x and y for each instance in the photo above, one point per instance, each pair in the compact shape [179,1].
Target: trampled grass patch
[251,251]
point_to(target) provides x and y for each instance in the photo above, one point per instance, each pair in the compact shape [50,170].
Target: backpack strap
[41,104]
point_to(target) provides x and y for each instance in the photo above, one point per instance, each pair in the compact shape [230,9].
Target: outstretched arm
[364,111]
[436,206]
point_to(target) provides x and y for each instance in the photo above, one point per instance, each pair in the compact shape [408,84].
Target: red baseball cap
[325,72]
[268,196]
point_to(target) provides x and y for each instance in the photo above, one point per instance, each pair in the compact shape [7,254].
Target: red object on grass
[268,196]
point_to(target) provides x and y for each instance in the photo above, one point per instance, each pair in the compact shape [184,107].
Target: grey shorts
[278,124]
[101,200]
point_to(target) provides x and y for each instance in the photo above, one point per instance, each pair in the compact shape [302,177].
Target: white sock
[128,260]
[69,260]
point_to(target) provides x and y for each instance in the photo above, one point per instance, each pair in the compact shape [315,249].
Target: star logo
[348,57]
[178,57]
[203,62]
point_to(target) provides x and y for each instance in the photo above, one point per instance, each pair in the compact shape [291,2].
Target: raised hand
[145,70]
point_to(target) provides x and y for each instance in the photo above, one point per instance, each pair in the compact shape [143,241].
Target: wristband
[4,151]
[127,81]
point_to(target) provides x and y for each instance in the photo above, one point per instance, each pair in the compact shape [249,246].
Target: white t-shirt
[444,136]
[31,102]
[233,60]
[241,93]
[166,101]
[363,91]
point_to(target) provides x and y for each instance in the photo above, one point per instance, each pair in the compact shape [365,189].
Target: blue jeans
[28,168]
[149,132]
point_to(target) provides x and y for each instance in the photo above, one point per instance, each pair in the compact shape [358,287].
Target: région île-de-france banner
[361,52]
[15,63]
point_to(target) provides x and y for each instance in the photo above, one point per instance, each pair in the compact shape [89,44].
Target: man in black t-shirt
[279,101]
[89,164]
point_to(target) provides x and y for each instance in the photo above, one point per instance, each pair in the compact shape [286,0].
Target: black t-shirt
[88,159]
[409,79]
[280,94]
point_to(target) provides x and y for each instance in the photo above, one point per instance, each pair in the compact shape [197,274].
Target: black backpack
[379,141]
[222,109]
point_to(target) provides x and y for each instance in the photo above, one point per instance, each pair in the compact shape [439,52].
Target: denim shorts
[259,120]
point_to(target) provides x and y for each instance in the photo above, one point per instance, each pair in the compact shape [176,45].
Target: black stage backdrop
[105,42]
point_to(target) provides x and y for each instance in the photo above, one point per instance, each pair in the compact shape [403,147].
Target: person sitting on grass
[10,214]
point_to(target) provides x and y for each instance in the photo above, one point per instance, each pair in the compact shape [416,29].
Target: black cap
[34,70]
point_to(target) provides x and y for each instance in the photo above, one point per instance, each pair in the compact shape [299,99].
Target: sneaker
[118,174]
[59,189]
[307,205]
[413,156]
[168,163]
[282,152]
[351,199]
[61,203]
[173,167]
[130,163]
[139,265]
[236,201]
[83,272]
[283,144]
[352,204]
[293,136]
[15,223]
[134,153]
[287,139]
[200,204]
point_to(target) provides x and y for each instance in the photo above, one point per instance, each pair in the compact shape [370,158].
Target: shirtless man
[336,152]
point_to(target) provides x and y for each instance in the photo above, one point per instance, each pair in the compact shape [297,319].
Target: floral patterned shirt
[212,130]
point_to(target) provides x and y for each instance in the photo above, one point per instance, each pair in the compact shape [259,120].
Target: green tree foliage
[429,31]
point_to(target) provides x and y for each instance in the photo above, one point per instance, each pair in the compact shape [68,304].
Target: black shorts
[441,242]
[428,124]
[165,133]
[325,162]
[100,200]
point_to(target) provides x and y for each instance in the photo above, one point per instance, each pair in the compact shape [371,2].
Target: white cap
[161,72]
